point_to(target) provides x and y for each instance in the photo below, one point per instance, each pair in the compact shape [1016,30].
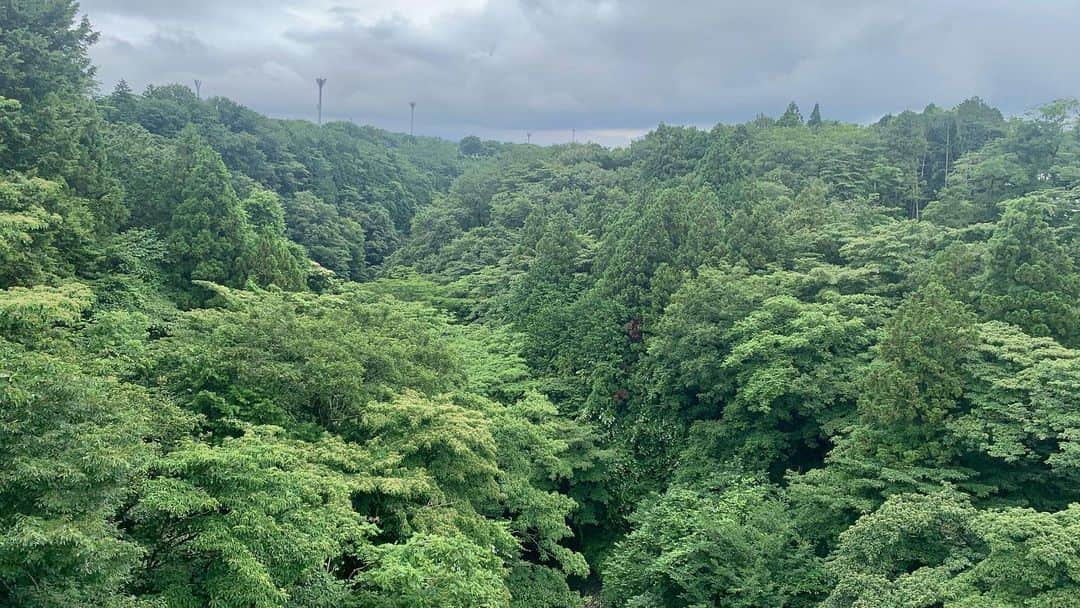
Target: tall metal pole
[412,117]
[320,82]
[948,149]
[198,90]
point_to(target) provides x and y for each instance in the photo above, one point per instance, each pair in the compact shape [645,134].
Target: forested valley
[249,362]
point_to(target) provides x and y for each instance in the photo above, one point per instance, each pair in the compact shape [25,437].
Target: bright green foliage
[29,313]
[909,395]
[434,572]
[451,442]
[761,301]
[937,550]
[792,117]
[905,553]
[72,449]
[539,453]
[539,587]
[301,359]
[485,460]
[493,364]
[1023,413]
[884,259]
[1031,559]
[1002,427]
[486,470]
[257,521]
[43,230]
[719,544]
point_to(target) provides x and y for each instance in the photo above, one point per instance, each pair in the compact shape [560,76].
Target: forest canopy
[248,362]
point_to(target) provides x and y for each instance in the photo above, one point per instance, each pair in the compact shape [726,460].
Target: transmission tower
[412,117]
[198,90]
[320,82]
[528,137]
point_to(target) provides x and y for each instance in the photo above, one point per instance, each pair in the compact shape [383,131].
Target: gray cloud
[608,68]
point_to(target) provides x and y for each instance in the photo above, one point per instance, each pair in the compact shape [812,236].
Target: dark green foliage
[53,126]
[764,302]
[369,182]
[917,377]
[335,242]
[44,50]
[668,152]
[765,374]
[208,230]
[1031,275]
[271,259]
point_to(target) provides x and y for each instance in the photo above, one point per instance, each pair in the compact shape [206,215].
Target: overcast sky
[611,69]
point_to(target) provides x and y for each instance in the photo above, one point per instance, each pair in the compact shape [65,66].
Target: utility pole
[320,82]
[198,89]
[412,117]
[948,149]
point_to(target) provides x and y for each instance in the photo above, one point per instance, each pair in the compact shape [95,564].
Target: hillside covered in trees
[254,363]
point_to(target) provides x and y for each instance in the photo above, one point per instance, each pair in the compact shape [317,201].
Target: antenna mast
[320,82]
[948,149]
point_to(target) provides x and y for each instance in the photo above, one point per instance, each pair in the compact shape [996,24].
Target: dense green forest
[248,362]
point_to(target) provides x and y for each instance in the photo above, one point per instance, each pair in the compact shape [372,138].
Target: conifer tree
[208,229]
[791,117]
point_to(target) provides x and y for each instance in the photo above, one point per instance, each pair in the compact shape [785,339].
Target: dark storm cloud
[608,68]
